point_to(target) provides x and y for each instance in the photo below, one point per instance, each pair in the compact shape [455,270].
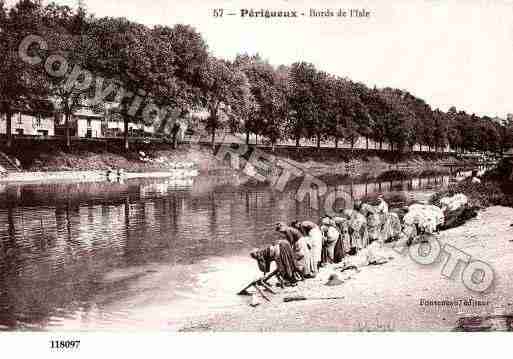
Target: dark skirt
[286,263]
[339,253]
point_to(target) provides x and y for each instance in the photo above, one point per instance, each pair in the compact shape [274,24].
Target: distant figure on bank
[178,132]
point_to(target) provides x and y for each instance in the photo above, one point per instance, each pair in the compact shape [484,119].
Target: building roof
[86,112]
[36,107]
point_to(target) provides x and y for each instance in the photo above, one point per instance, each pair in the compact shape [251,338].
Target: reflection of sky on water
[139,253]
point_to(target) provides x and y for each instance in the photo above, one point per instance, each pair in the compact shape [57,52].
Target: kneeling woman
[282,254]
[313,234]
[302,253]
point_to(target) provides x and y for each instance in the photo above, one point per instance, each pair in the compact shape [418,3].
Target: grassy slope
[45,156]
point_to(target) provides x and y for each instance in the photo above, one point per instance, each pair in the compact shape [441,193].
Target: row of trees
[171,70]
[299,101]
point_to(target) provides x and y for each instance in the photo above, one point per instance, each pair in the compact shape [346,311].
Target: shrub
[484,194]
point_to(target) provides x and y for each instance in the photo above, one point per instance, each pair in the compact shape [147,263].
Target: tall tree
[243,105]
[364,112]
[453,134]
[220,85]
[269,90]
[66,34]
[175,81]
[21,83]
[301,100]
[506,132]
[377,109]
[440,130]
[317,126]
[125,51]
[400,120]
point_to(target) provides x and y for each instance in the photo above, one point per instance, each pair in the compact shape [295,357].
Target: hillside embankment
[52,156]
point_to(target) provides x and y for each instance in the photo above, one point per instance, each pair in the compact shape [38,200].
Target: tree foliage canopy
[171,70]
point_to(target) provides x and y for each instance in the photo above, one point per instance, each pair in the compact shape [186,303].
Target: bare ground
[387,297]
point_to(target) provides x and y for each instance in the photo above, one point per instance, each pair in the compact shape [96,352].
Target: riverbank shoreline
[44,156]
[88,165]
[91,176]
[388,297]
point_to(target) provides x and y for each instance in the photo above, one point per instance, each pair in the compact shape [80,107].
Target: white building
[116,127]
[83,123]
[29,125]
[88,123]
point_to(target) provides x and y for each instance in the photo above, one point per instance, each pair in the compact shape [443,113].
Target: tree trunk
[366,143]
[273,146]
[174,141]
[125,134]
[213,138]
[380,145]
[247,137]
[8,127]
[162,125]
[66,130]
[318,142]
[297,143]
[336,142]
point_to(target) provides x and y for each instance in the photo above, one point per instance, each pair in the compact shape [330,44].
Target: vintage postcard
[249,166]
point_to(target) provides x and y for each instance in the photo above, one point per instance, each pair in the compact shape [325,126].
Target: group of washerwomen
[305,246]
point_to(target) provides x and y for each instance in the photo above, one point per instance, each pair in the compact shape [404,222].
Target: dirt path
[387,297]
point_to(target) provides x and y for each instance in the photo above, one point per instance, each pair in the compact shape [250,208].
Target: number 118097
[64,344]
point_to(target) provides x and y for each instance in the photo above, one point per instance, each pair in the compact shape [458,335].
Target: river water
[142,254]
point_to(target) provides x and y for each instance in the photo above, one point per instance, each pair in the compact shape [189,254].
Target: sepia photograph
[241,166]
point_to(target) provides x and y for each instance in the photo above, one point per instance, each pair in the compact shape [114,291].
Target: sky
[446,52]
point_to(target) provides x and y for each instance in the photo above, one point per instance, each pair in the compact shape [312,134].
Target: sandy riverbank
[88,157]
[86,165]
[92,176]
[387,297]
